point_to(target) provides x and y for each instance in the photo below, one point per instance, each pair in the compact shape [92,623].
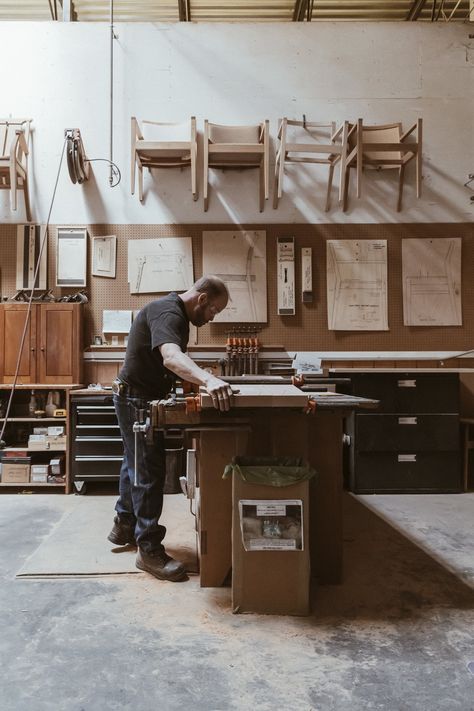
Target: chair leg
[266,171]
[401,174]
[13,185]
[345,193]
[194,173]
[206,177]
[276,187]
[359,157]
[328,192]
[133,170]
[278,183]
[140,183]
[27,199]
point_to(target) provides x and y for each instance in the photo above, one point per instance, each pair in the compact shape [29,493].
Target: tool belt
[120,387]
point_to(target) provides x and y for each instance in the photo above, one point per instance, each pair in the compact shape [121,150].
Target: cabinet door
[12,324]
[60,343]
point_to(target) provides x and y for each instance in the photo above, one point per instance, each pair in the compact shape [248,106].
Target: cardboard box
[15,473]
[39,473]
[276,580]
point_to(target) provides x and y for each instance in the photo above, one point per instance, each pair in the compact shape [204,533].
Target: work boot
[161,565]
[122,534]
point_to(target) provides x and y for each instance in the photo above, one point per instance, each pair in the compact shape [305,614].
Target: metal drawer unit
[411,444]
[97,449]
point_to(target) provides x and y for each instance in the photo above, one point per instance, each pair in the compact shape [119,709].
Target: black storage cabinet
[411,443]
[97,448]
[96,444]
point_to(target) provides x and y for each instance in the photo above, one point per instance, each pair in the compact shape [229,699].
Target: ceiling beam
[68,10]
[184,11]
[303,8]
[415,10]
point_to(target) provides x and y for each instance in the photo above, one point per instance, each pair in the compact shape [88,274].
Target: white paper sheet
[239,258]
[357,285]
[160,265]
[431,272]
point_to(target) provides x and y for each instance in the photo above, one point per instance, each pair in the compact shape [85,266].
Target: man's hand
[220,393]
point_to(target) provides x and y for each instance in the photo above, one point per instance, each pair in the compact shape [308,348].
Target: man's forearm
[184,367]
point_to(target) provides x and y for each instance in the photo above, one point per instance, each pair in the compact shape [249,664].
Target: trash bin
[270,535]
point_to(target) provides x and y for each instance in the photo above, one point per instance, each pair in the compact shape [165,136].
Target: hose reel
[77,163]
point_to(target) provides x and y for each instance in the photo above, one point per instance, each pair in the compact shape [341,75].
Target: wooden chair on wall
[163,145]
[237,147]
[14,140]
[383,147]
[310,142]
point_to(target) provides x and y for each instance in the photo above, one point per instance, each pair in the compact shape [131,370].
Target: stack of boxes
[17,466]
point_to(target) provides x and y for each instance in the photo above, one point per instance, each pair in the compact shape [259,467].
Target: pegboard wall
[307,330]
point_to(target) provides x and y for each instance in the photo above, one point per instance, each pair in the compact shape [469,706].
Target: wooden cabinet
[52,348]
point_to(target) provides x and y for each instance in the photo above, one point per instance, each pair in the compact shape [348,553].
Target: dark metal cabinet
[96,444]
[411,444]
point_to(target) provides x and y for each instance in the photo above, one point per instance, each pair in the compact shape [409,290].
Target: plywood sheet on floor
[78,545]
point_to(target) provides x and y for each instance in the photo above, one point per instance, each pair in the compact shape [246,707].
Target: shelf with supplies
[35,451]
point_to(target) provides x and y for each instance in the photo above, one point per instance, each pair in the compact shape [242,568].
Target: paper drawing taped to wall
[239,259]
[357,285]
[157,266]
[431,270]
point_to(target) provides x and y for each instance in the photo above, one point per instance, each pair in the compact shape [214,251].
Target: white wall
[237,74]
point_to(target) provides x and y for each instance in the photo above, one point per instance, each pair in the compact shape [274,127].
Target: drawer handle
[407,457]
[406,383]
[407,420]
[98,439]
[80,458]
[97,427]
[95,408]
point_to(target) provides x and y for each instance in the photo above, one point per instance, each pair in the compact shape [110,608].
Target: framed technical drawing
[104,251]
[71,256]
[28,250]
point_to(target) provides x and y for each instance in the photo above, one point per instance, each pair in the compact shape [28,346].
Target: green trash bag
[270,471]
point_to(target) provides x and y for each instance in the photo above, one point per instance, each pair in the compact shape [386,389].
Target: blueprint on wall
[431,272]
[160,265]
[239,259]
[357,285]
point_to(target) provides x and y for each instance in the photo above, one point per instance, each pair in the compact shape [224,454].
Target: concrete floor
[397,636]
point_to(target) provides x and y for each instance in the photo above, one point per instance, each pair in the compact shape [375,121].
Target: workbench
[267,420]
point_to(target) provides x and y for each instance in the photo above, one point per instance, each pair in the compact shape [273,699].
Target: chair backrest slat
[234,134]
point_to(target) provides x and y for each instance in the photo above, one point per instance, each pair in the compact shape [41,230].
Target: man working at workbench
[155,355]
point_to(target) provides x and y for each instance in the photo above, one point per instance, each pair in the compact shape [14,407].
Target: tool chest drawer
[394,433]
[87,467]
[98,446]
[410,392]
[406,472]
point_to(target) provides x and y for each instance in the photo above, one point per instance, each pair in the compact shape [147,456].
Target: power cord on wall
[470,179]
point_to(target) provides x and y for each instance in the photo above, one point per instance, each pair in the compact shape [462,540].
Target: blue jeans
[141,504]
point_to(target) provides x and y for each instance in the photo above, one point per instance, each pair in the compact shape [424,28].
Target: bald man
[156,354]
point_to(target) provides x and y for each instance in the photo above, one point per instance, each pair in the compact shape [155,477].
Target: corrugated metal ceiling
[244,11]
